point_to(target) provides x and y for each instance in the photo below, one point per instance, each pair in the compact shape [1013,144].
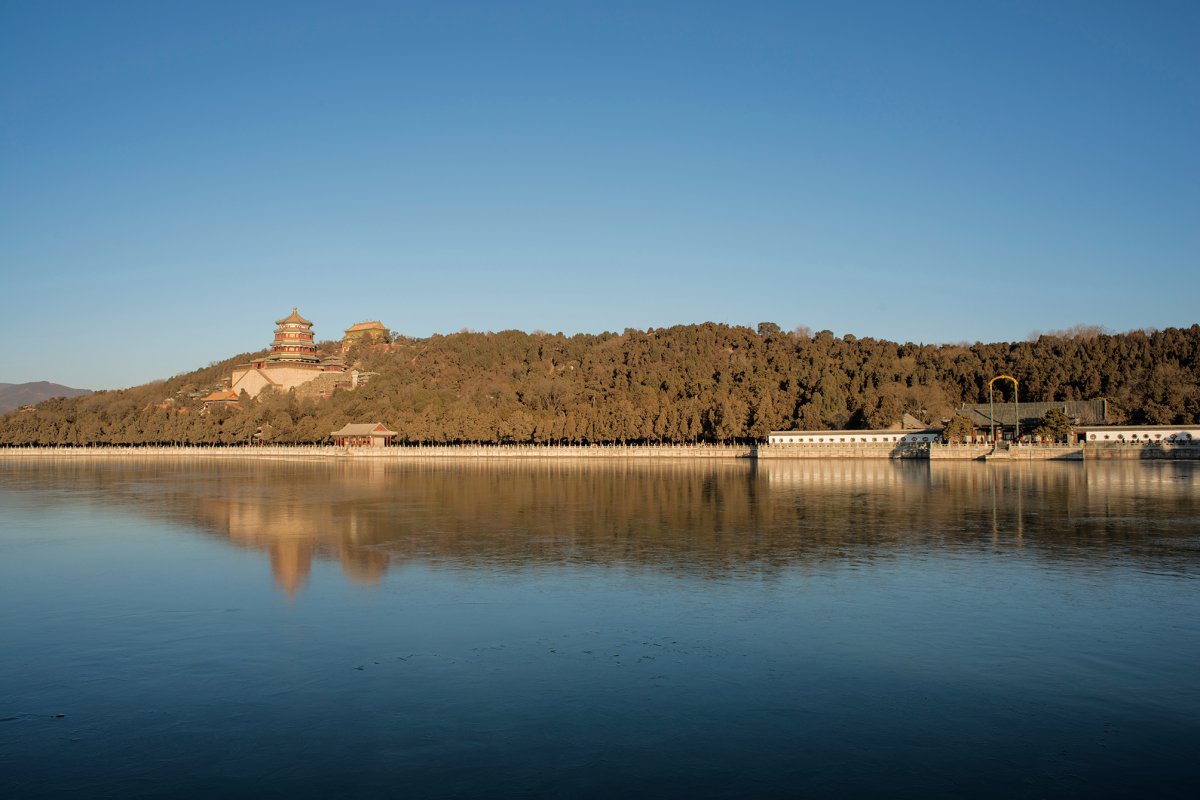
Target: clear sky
[175,176]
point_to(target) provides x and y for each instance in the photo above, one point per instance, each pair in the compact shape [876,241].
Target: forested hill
[705,382]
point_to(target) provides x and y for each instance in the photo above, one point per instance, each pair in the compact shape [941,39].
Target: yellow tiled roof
[293,317]
[367,326]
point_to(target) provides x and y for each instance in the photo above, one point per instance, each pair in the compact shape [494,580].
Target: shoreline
[393,453]
[937,452]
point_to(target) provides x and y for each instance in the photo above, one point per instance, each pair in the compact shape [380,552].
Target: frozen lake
[304,629]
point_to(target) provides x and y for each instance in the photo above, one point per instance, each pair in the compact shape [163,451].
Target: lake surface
[302,629]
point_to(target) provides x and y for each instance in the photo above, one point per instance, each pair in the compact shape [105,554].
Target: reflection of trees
[255,507]
[711,519]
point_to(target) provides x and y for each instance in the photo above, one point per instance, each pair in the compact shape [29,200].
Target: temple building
[1005,416]
[293,361]
[375,332]
[221,397]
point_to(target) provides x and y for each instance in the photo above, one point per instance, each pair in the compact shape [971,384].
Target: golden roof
[294,317]
[367,326]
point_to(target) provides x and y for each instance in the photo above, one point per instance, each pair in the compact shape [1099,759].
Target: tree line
[689,383]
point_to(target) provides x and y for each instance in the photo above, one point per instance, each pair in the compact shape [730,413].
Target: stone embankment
[981,452]
[396,453]
[1074,452]
[839,450]
[933,452]
[1151,451]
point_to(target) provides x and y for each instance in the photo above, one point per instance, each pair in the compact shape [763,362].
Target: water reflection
[708,519]
[834,628]
[292,534]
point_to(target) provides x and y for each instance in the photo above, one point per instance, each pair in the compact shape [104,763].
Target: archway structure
[1016,403]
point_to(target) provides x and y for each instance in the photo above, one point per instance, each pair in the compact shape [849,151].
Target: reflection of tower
[291,563]
[294,533]
[293,341]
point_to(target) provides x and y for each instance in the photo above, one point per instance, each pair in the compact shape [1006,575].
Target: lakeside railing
[397,450]
[698,449]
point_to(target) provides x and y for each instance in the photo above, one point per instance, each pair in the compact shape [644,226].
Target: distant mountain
[15,395]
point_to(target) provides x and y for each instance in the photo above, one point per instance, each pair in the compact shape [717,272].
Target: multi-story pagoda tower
[293,341]
[292,362]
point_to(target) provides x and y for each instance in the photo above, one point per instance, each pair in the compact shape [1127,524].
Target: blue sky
[176,176]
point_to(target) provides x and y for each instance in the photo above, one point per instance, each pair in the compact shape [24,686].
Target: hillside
[15,395]
[706,382]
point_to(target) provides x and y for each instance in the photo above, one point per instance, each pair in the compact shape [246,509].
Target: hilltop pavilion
[373,331]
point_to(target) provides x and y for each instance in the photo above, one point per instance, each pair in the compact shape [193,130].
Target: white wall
[1143,434]
[850,437]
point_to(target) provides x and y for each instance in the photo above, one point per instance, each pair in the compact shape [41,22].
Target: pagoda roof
[293,317]
[221,396]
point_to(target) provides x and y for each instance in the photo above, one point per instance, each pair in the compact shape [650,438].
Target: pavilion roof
[364,429]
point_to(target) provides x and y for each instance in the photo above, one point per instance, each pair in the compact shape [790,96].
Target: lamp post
[992,412]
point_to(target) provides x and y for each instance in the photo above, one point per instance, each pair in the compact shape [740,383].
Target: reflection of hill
[711,519]
[292,534]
